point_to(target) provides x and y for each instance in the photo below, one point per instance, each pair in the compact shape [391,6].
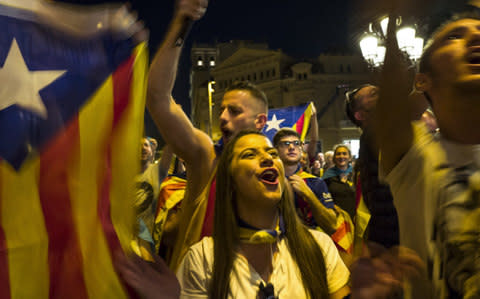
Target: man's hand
[191,9]
[299,186]
[150,280]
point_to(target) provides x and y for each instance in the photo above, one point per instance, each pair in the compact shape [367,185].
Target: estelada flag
[294,117]
[72,100]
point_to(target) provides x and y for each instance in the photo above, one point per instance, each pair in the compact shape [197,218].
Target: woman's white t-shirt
[195,272]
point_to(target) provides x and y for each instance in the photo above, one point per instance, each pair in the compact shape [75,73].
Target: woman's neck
[259,217]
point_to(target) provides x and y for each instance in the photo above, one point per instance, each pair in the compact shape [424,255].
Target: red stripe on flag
[299,124]
[4,276]
[64,254]
[121,95]
[122,80]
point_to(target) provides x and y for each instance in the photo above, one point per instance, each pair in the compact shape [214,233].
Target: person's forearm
[326,218]
[163,69]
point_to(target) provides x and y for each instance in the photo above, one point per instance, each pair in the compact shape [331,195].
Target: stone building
[286,81]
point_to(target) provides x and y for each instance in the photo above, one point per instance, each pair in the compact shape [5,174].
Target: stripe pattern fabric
[66,202]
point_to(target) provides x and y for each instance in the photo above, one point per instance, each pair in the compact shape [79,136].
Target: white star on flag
[21,86]
[274,123]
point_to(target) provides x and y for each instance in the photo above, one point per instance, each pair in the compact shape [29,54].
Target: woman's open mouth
[269,176]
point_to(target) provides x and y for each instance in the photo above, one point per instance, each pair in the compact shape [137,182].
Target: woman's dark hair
[301,244]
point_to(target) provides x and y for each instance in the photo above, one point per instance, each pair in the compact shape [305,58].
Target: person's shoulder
[321,237]
[204,245]
[200,254]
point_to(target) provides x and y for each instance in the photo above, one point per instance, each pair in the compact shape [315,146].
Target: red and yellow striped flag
[70,122]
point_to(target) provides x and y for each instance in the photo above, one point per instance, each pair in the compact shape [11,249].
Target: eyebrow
[255,149]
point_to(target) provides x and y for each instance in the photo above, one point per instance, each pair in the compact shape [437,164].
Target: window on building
[349,69]
[305,76]
[254,76]
[299,76]
[273,73]
[261,75]
[248,77]
[341,68]
[267,73]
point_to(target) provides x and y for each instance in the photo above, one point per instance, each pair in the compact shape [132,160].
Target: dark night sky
[301,28]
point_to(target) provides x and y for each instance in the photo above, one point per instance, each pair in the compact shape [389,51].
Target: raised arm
[393,112]
[176,128]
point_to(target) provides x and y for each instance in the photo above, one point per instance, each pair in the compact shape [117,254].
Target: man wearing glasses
[313,201]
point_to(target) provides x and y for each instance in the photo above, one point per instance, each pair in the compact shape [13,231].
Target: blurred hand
[126,22]
[150,280]
[381,272]
[191,9]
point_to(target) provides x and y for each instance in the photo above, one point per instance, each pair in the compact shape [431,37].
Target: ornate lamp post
[210,92]
[372,43]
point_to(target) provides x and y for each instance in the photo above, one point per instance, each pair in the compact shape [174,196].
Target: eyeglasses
[296,143]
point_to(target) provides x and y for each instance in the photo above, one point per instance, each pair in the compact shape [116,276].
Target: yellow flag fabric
[68,167]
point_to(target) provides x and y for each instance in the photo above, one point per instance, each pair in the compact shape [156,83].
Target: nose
[266,160]
[474,36]
[224,116]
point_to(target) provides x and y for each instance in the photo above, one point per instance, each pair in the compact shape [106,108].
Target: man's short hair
[352,104]
[284,132]
[256,92]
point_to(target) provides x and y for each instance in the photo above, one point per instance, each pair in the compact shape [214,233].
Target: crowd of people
[249,217]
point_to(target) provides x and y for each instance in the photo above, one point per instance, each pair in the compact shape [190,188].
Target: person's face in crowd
[316,164]
[257,171]
[329,158]
[367,97]
[341,157]
[239,111]
[454,58]
[290,150]
[321,158]
[147,153]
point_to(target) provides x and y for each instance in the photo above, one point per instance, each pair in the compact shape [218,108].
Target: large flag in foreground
[294,117]
[71,117]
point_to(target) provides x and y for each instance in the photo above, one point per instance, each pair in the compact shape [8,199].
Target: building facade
[285,80]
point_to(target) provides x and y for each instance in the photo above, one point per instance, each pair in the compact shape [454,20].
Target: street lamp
[373,42]
[210,92]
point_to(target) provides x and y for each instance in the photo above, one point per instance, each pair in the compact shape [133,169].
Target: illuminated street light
[372,44]
[210,92]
